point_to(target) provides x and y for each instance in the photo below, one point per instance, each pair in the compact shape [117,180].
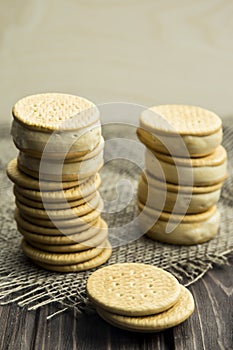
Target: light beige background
[147,52]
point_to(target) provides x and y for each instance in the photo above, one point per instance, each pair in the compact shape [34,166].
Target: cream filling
[58,142]
[180,175]
[196,145]
[179,203]
[55,168]
[184,233]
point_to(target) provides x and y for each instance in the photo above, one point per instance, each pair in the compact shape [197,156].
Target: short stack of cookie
[186,166]
[139,297]
[56,181]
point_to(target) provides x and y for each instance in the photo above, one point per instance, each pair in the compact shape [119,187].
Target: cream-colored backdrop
[147,52]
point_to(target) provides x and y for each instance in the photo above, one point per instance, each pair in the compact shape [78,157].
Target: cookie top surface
[133,289]
[55,111]
[180,119]
[154,323]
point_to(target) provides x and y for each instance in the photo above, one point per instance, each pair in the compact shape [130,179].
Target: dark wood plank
[210,327]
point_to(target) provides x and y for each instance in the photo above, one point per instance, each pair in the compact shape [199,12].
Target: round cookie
[55,111]
[59,258]
[85,189]
[57,170]
[66,223]
[180,130]
[204,171]
[60,214]
[98,229]
[42,177]
[83,266]
[164,216]
[56,145]
[92,242]
[176,229]
[21,179]
[70,124]
[38,231]
[178,199]
[177,314]
[52,206]
[133,289]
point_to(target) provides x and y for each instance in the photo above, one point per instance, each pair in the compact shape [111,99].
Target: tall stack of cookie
[56,181]
[185,169]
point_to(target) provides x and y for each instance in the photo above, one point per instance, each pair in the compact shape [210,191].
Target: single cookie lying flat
[133,289]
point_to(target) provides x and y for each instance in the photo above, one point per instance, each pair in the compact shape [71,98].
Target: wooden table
[210,327]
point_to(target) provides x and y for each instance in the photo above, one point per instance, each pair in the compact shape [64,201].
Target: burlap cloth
[23,282]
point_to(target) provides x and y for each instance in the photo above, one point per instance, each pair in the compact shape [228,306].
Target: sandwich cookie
[204,171]
[178,199]
[180,130]
[21,179]
[72,121]
[57,170]
[179,229]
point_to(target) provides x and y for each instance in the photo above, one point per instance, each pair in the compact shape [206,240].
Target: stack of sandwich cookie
[56,182]
[139,297]
[186,166]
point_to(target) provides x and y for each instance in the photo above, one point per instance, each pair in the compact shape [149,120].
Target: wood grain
[210,327]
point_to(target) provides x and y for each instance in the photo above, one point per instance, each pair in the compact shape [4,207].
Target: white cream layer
[56,142]
[179,203]
[196,145]
[180,175]
[184,233]
[55,168]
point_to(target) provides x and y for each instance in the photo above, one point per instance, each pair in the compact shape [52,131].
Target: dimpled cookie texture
[185,167]
[56,182]
[133,289]
[175,315]
[139,297]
